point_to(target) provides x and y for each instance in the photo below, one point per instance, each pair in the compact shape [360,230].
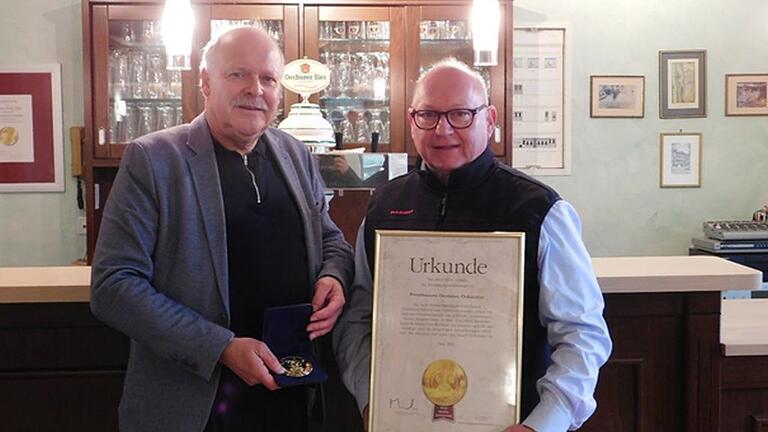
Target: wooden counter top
[45,284]
[615,275]
[744,327]
[673,274]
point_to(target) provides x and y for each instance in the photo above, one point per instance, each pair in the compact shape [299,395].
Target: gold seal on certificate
[444,383]
[296,367]
[9,135]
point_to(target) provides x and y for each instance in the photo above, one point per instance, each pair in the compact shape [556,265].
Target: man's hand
[252,360]
[327,304]
[518,428]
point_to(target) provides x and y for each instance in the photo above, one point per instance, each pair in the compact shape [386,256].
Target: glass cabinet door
[364,101]
[280,21]
[134,92]
[446,32]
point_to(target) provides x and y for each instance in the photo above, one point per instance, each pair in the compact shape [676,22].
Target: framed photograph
[746,94]
[447,323]
[682,84]
[31,138]
[617,96]
[680,160]
[541,93]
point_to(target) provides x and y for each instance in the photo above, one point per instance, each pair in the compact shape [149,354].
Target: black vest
[481,196]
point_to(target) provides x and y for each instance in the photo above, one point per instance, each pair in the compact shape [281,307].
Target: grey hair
[208,51]
[452,63]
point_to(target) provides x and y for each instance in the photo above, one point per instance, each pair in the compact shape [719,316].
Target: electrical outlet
[81,225]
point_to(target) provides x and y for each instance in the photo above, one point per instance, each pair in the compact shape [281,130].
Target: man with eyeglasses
[461,187]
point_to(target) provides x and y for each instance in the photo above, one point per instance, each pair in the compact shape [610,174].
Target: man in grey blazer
[208,224]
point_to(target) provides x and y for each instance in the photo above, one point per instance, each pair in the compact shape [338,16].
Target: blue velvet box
[285,333]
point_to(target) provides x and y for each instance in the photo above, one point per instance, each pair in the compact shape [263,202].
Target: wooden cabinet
[376,51]
[364,47]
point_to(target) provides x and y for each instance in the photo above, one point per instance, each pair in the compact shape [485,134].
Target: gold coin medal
[9,135]
[296,367]
[444,383]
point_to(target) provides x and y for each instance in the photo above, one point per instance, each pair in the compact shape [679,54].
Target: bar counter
[683,359]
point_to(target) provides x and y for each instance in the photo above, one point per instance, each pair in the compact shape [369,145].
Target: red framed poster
[31,140]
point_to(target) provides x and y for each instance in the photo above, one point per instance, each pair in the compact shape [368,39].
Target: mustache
[253,103]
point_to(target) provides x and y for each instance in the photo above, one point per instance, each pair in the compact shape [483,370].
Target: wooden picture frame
[746,94]
[682,84]
[680,160]
[617,96]
[449,310]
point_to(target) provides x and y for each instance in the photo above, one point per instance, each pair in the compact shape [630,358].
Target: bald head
[255,35]
[450,73]
[455,96]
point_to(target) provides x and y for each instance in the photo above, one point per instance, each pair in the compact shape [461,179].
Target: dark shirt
[267,267]
[265,240]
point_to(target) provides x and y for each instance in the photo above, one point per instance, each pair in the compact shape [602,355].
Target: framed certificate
[447,331]
[31,138]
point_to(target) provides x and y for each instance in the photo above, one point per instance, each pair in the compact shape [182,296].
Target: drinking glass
[375,125]
[362,133]
[179,111]
[119,73]
[339,29]
[165,117]
[384,115]
[347,130]
[377,30]
[138,71]
[127,126]
[344,74]
[156,75]
[150,32]
[355,29]
[174,84]
[127,32]
[146,119]
[326,32]
[455,30]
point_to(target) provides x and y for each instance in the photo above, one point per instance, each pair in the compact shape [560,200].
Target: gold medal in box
[285,333]
[296,366]
[444,383]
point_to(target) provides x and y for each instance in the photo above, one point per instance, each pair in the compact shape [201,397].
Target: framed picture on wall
[617,96]
[682,84]
[31,138]
[680,160]
[746,95]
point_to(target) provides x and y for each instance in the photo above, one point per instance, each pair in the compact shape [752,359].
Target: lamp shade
[178,24]
[485,32]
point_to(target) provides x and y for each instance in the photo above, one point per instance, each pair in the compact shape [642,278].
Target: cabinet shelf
[354,44]
[155,101]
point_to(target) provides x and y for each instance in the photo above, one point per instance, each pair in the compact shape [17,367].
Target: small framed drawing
[618,96]
[746,95]
[680,160]
[682,84]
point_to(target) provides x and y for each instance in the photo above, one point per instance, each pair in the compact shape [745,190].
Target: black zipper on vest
[443,207]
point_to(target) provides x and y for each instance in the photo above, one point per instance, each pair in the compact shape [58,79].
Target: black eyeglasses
[460,118]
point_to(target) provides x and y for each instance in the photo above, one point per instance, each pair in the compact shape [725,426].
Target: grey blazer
[160,268]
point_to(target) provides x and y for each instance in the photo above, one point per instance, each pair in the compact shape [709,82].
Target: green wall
[615,176]
[40,228]
[614,181]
